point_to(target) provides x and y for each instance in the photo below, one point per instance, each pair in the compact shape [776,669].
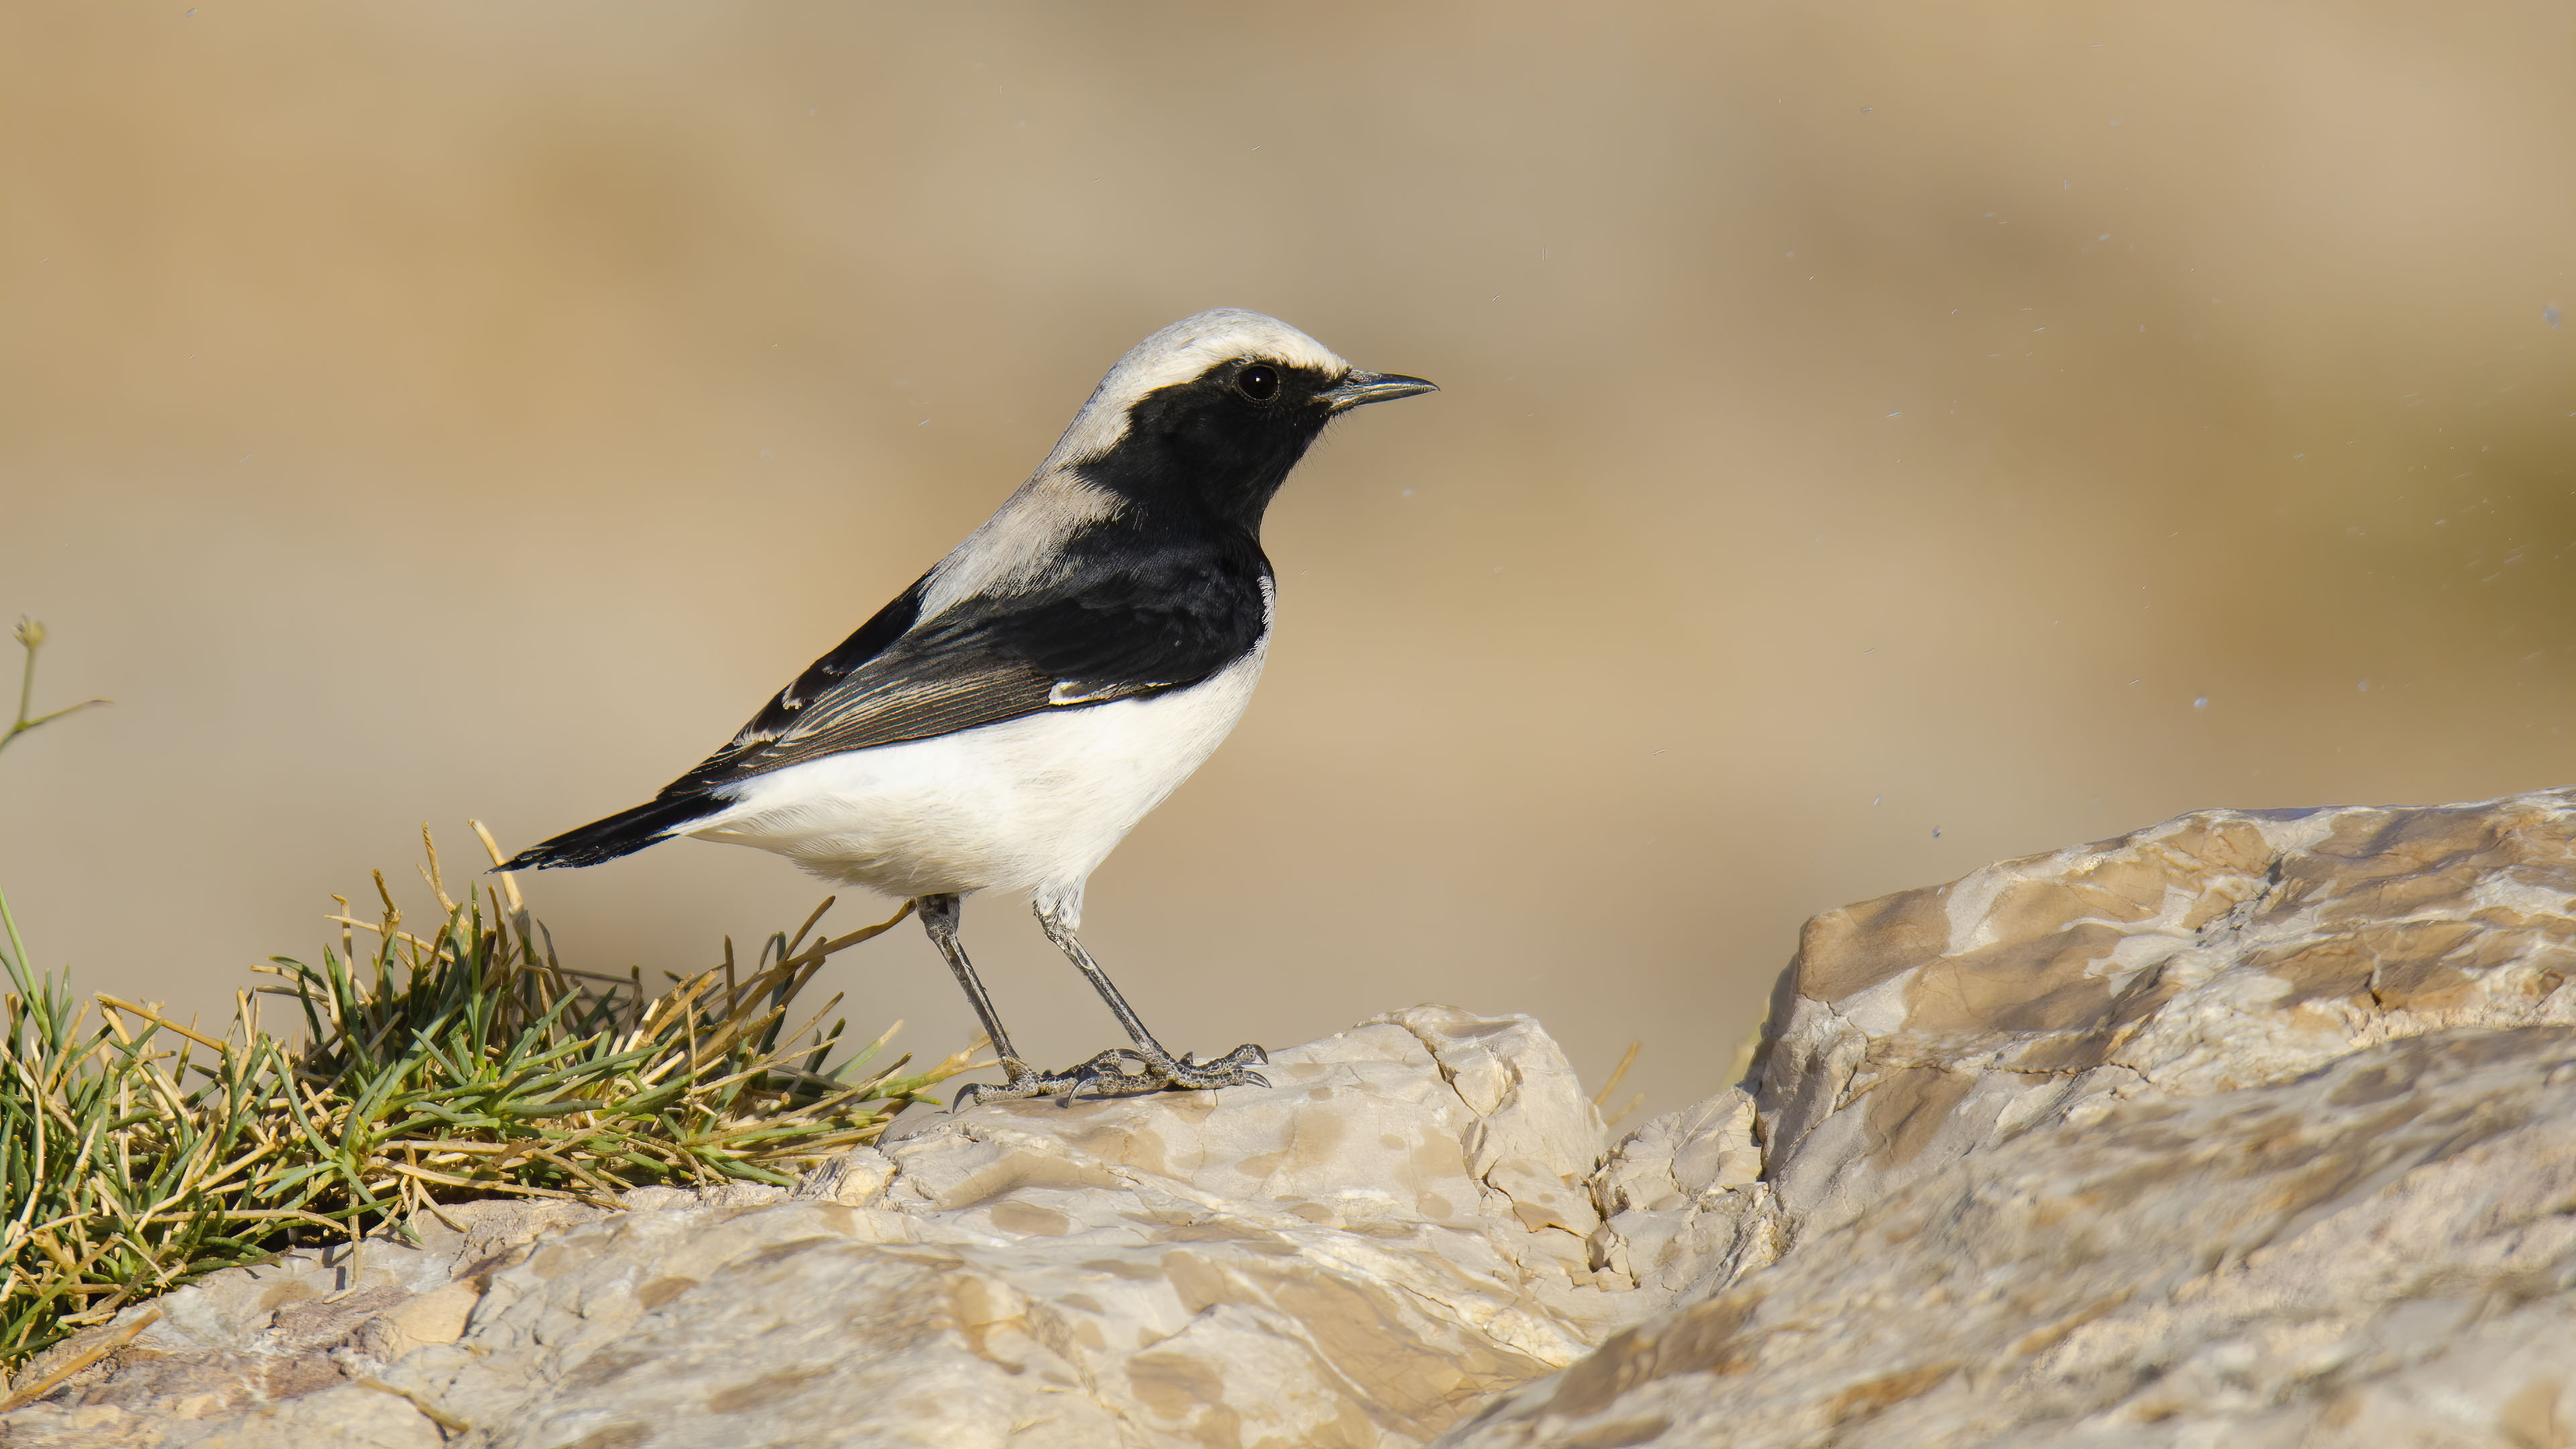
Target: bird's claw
[1234,1069]
[1107,1076]
[1189,1074]
[1246,1055]
[1016,1075]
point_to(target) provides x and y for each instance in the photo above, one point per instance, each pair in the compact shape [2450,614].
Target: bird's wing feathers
[825,677]
[1097,634]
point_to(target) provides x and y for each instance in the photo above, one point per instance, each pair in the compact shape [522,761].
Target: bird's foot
[1109,1075]
[1018,1081]
[1234,1069]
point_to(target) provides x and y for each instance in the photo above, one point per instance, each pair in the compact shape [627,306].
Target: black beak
[1361,386]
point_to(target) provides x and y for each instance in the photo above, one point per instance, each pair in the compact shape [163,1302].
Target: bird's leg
[939,917]
[1106,1075]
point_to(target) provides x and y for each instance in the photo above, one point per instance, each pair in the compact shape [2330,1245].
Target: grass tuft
[137,1154]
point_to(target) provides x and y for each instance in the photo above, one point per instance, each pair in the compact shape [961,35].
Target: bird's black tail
[623,833]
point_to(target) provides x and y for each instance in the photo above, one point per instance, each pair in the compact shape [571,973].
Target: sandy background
[1871,433]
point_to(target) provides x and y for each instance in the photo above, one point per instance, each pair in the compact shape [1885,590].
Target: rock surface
[1392,1233]
[2251,1128]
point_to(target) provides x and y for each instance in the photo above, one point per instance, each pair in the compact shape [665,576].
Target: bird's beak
[1362,386]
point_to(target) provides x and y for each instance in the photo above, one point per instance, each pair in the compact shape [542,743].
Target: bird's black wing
[1117,625]
[1125,617]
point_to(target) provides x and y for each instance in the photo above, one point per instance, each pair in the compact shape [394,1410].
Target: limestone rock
[1684,1210]
[1392,1233]
[2251,1128]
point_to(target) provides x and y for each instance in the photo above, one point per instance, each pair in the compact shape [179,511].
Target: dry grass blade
[1618,1074]
[107,1344]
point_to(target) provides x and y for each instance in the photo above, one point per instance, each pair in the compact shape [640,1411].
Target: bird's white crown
[1178,353]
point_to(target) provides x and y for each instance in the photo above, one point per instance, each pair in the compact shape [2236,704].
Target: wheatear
[1009,718]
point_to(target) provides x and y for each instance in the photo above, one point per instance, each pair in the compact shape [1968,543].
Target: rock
[1684,1210]
[2251,1128]
[1388,1236]
[278,1354]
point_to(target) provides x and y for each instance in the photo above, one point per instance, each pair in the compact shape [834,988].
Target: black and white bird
[1006,721]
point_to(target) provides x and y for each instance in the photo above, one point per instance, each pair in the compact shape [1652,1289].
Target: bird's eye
[1259,382]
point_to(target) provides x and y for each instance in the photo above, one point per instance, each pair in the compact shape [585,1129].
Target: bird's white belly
[1033,803]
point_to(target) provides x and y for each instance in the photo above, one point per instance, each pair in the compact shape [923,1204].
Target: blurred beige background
[1871,434]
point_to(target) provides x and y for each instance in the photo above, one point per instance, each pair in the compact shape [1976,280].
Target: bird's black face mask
[1222,442]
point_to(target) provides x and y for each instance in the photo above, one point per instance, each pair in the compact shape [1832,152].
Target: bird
[1010,717]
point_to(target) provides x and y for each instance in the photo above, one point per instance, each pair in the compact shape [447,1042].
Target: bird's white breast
[1033,803]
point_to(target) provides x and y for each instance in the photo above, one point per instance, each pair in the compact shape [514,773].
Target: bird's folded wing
[901,695]
[984,662]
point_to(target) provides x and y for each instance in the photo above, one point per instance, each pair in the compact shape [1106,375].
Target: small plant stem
[32,635]
[17,949]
